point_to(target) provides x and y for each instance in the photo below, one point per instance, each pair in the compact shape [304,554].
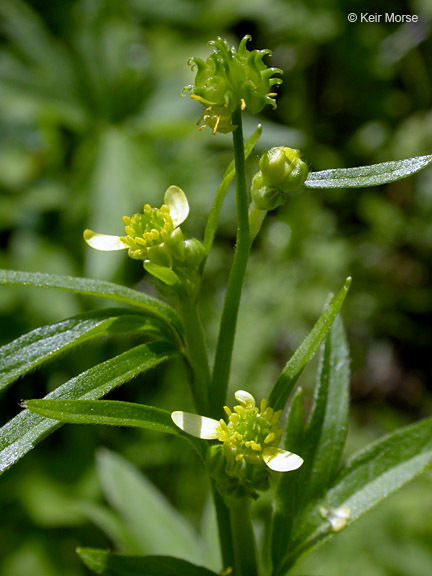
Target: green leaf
[43,344]
[162,273]
[98,288]
[322,443]
[363,176]
[112,413]
[154,522]
[288,486]
[213,218]
[107,412]
[24,431]
[367,478]
[295,426]
[305,352]
[326,432]
[109,564]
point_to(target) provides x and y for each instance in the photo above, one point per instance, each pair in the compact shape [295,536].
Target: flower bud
[283,168]
[265,197]
[194,252]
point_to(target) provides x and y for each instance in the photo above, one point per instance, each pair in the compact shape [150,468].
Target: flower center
[150,228]
[249,430]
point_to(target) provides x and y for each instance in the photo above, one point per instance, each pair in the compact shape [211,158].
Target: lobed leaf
[303,355]
[366,479]
[363,176]
[108,564]
[23,432]
[40,345]
[98,288]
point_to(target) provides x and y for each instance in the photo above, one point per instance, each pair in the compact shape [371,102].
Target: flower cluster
[229,79]
[249,448]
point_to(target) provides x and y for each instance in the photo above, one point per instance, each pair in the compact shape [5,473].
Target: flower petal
[177,204]
[280,460]
[104,242]
[244,397]
[195,425]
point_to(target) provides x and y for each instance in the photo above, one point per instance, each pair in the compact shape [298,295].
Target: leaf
[367,478]
[98,288]
[327,427]
[108,412]
[24,431]
[295,426]
[109,564]
[362,176]
[305,352]
[162,273]
[322,443]
[287,488]
[213,218]
[43,344]
[153,521]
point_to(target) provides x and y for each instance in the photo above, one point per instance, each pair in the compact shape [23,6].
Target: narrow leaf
[295,426]
[108,564]
[90,287]
[149,516]
[213,218]
[321,445]
[362,176]
[305,352]
[24,431]
[327,428]
[43,344]
[366,479]
[287,492]
[108,412]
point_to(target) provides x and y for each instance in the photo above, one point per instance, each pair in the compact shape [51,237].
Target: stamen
[269,438]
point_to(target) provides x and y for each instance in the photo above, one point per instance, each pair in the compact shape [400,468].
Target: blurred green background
[92,125]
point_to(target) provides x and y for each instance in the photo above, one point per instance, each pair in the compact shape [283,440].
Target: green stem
[245,555]
[228,323]
[196,354]
[224,529]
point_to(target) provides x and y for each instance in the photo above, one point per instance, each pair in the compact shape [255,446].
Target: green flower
[251,435]
[153,235]
[229,79]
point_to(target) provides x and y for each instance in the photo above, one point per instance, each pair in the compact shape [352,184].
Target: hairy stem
[228,323]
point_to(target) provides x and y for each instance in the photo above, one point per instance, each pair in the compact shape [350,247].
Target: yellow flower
[148,234]
[251,434]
